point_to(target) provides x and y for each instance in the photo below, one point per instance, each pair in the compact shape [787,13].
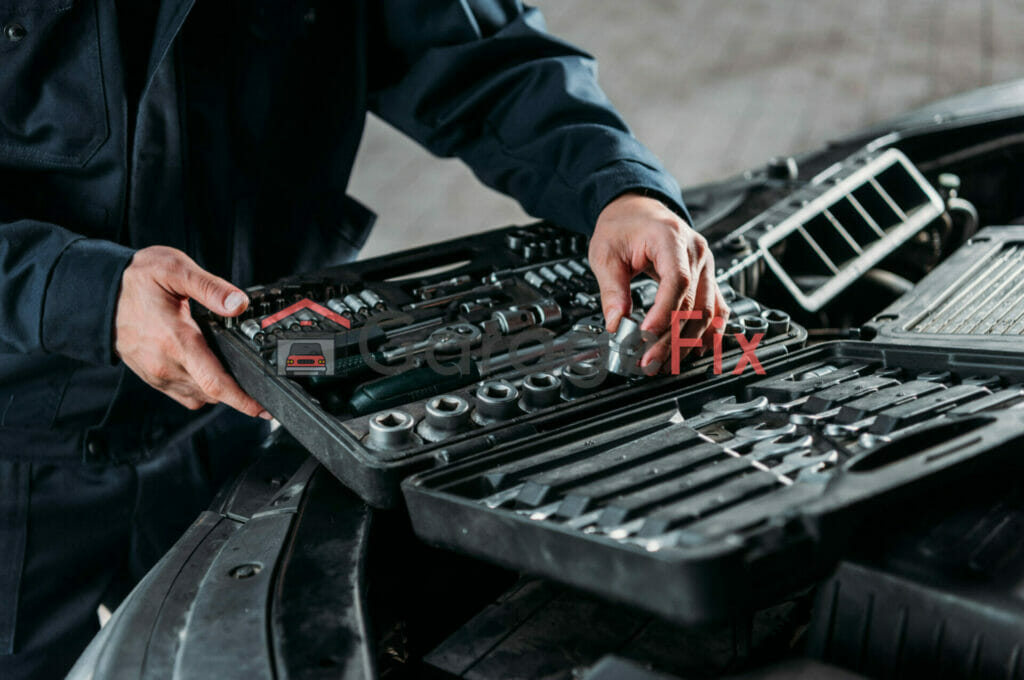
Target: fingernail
[265,415]
[234,300]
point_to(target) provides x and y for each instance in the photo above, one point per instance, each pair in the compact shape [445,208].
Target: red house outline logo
[305,303]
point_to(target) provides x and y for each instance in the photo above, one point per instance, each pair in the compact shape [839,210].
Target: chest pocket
[52,104]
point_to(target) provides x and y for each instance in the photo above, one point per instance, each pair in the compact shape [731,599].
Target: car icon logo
[305,357]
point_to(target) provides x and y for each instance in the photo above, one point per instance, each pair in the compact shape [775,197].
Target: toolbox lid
[974,299]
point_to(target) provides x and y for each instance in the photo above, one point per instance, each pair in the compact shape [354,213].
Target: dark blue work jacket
[237,149]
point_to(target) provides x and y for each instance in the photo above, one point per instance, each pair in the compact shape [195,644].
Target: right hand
[157,338]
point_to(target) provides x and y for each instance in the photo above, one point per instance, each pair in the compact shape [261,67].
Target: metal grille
[871,206]
[987,300]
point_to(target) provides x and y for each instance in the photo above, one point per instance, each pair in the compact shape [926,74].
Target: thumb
[613,276]
[212,292]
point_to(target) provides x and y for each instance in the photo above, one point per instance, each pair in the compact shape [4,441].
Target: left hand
[636,234]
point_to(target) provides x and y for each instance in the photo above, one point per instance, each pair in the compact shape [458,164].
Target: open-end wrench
[772,449]
[836,395]
[869,440]
[727,408]
[734,491]
[860,409]
[849,429]
[709,521]
[572,505]
[787,406]
[753,434]
[812,418]
[907,410]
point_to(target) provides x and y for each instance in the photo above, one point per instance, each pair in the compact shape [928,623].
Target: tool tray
[719,498]
[975,298]
[493,294]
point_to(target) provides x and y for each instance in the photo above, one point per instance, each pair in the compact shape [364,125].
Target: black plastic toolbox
[698,518]
[455,285]
[697,497]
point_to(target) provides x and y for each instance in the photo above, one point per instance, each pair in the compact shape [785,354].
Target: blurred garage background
[715,87]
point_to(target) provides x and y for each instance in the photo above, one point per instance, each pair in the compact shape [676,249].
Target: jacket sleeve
[58,291]
[484,81]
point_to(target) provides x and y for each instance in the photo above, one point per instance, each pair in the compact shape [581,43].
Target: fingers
[157,338]
[675,292]
[699,294]
[206,372]
[704,302]
[188,279]
[613,276]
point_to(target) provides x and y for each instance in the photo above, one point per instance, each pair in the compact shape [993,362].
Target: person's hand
[157,338]
[637,234]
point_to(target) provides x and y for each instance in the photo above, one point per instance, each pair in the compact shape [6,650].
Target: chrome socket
[447,416]
[372,299]
[251,329]
[577,267]
[338,306]
[540,390]
[496,400]
[778,322]
[391,430]
[547,312]
[513,320]
[564,271]
[743,306]
[644,293]
[535,279]
[753,324]
[625,348]
[548,274]
[731,330]
[356,304]
[580,378]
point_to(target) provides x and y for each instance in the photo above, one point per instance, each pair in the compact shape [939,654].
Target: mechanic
[161,153]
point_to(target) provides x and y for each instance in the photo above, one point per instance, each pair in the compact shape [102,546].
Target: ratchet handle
[409,386]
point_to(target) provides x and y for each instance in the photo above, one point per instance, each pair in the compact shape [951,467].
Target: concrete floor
[716,86]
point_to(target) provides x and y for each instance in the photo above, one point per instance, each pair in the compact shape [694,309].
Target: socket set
[716,499]
[393,365]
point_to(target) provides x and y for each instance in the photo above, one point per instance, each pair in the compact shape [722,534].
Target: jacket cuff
[626,176]
[81,299]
